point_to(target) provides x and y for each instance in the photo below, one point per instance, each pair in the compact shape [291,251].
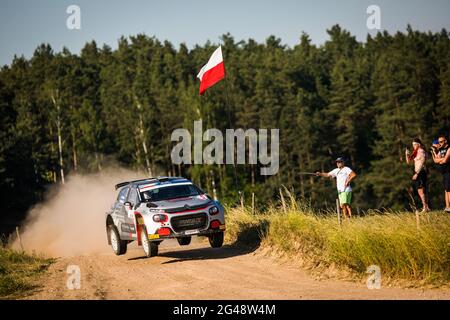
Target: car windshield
[171,192]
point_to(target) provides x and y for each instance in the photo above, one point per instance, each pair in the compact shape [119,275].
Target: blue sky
[26,24]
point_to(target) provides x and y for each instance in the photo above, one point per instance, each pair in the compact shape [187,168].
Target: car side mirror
[151,205]
[127,205]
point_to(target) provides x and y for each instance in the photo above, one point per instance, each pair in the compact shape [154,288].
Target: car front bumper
[188,233]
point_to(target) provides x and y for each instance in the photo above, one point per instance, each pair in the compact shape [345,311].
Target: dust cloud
[71,221]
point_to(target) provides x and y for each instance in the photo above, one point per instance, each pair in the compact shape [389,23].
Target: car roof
[159,182]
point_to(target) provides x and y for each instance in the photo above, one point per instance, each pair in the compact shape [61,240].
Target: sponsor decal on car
[191,232]
[161,185]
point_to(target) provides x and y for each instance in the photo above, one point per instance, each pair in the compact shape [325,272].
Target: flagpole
[236,182]
[216,60]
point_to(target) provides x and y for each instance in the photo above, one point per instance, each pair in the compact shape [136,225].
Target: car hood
[183,204]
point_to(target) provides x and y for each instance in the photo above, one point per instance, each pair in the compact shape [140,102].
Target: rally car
[155,209]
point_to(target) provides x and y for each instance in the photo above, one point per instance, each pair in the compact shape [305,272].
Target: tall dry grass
[394,241]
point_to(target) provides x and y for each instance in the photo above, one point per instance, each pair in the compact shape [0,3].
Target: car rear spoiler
[160,179]
[122,184]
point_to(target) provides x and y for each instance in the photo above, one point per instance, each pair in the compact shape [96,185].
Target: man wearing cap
[344,175]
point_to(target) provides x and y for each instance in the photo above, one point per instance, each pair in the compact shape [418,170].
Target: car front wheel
[184,241]
[216,240]
[119,246]
[150,248]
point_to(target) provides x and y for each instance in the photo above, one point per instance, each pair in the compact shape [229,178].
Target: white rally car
[151,210]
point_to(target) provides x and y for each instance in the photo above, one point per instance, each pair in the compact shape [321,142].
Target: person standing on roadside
[344,175]
[442,158]
[419,178]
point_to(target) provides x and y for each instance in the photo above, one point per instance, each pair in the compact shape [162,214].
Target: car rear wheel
[150,248]
[184,241]
[119,246]
[216,240]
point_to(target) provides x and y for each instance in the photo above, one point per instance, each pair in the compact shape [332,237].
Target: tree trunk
[311,178]
[142,137]
[52,150]
[144,146]
[58,129]
[138,151]
[302,183]
[61,161]
[74,153]
[97,161]
[74,142]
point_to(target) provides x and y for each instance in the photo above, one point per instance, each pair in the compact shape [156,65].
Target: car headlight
[160,218]
[213,210]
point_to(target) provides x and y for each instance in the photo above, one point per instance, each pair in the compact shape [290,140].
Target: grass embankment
[18,271]
[392,241]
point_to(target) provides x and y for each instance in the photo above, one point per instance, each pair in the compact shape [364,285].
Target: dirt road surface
[200,272]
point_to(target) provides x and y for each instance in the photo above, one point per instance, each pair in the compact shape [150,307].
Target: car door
[133,199]
[119,210]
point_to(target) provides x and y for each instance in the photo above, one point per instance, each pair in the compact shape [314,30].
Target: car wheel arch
[137,218]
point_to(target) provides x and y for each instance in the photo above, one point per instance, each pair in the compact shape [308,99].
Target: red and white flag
[212,72]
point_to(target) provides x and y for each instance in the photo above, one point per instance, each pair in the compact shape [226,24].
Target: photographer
[441,156]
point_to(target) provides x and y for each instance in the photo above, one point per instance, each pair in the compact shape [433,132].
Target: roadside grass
[393,241]
[18,272]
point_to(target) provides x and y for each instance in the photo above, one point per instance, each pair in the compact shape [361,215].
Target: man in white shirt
[344,175]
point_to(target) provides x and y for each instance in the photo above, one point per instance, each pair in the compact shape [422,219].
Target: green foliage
[18,272]
[364,101]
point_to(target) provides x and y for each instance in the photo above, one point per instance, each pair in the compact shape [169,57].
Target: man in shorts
[344,175]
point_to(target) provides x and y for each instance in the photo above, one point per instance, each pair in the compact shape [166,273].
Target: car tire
[150,248]
[119,246]
[184,241]
[216,240]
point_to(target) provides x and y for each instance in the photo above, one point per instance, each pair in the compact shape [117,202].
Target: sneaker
[447,209]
